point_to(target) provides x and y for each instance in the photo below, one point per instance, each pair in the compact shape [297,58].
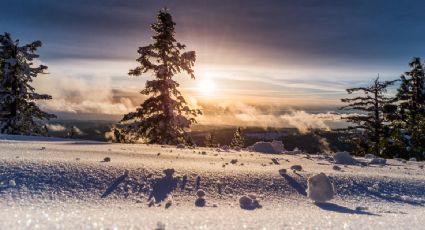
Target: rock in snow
[344,158]
[268,147]
[320,188]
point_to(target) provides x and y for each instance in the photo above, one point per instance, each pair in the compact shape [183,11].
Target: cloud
[77,130]
[55,127]
[84,95]
[240,114]
[94,95]
[304,121]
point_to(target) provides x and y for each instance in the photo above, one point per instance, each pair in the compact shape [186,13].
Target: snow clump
[249,202]
[200,200]
[296,167]
[336,167]
[369,156]
[12,183]
[282,172]
[268,147]
[180,146]
[320,188]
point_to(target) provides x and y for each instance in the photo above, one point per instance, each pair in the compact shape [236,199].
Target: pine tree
[19,113]
[238,140]
[165,116]
[211,140]
[369,131]
[410,114]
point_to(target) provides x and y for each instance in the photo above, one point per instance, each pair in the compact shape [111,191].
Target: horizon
[254,63]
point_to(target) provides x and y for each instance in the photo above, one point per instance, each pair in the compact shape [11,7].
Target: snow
[55,191]
[369,156]
[320,188]
[378,161]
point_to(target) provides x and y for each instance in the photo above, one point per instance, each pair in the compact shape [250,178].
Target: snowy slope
[59,183]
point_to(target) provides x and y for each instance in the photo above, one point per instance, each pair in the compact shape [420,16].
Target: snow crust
[59,184]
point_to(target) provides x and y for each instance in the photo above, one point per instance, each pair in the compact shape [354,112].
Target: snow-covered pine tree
[238,140]
[165,116]
[19,113]
[211,140]
[410,115]
[369,131]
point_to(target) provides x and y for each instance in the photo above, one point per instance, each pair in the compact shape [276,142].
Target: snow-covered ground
[66,184]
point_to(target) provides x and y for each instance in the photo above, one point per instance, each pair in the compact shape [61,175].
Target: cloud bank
[241,114]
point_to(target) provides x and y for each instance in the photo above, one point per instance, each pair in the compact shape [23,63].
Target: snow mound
[181,146]
[268,147]
[225,148]
[369,156]
[320,188]
[378,161]
[344,158]
[293,152]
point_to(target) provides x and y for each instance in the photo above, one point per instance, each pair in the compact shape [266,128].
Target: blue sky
[287,54]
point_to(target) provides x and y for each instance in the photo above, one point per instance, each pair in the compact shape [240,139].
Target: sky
[253,57]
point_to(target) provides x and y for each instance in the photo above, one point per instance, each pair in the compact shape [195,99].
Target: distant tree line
[389,126]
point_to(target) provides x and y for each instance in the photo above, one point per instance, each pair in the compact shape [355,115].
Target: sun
[206,87]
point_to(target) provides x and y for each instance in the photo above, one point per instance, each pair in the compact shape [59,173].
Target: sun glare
[206,87]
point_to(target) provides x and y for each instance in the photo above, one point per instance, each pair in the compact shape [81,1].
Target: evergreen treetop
[238,140]
[164,117]
[411,94]
[369,127]
[409,115]
[17,96]
[211,140]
